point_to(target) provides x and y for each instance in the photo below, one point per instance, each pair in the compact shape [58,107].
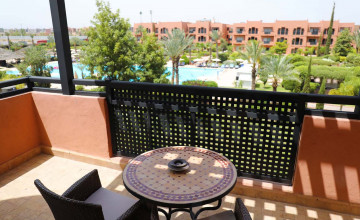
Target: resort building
[298,34]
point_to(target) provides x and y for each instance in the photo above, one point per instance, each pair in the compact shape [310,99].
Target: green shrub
[234,55]
[223,56]
[329,72]
[353,59]
[296,58]
[313,87]
[291,85]
[300,63]
[200,83]
[79,88]
[98,89]
[342,58]
[324,62]
[185,59]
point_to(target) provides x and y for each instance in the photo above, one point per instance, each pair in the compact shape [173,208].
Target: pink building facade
[298,34]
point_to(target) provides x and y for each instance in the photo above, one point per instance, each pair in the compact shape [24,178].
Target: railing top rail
[13,82]
[41,79]
[89,82]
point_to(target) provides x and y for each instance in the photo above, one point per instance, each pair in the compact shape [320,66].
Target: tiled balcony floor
[19,199]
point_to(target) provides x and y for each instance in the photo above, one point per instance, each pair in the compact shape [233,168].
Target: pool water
[185,73]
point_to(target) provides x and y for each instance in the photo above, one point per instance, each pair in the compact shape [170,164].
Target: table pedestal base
[189,210]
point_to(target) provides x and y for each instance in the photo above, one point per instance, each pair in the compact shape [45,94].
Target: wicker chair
[240,213]
[87,200]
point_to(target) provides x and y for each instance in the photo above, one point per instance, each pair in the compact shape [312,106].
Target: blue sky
[36,13]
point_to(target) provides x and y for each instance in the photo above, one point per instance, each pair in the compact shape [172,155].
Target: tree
[82,68]
[8,39]
[215,36]
[343,43]
[111,49]
[330,32]
[75,41]
[321,92]
[32,39]
[318,49]
[36,58]
[223,44]
[280,47]
[191,47]
[253,52]
[306,87]
[356,38]
[174,46]
[264,77]
[150,60]
[280,68]
[51,44]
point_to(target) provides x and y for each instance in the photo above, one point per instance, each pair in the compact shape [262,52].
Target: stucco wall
[74,123]
[18,126]
[329,159]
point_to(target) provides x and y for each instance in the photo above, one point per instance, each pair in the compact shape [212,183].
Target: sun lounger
[237,66]
[232,66]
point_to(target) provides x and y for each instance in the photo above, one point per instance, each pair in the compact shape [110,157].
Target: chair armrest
[241,212]
[84,187]
[141,210]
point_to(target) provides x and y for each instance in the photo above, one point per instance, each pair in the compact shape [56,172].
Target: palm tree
[253,53]
[215,36]
[175,45]
[191,47]
[280,68]
[8,38]
[356,38]
[208,47]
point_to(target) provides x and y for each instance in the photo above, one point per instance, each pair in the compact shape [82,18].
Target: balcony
[83,128]
[293,162]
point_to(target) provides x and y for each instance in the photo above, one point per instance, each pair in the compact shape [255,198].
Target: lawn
[261,87]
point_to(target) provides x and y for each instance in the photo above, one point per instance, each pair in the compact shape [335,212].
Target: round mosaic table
[210,177]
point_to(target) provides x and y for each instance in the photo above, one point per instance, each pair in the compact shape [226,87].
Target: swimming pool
[185,73]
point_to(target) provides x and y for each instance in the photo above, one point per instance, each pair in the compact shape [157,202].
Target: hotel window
[298,31]
[148,30]
[192,30]
[252,38]
[202,30]
[324,41]
[283,31]
[297,41]
[343,28]
[239,39]
[253,30]
[268,30]
[312,41]
[174,29]
[201,39]
[164,30]
[156,30]
[231,30]
[215,29]
[314,31]
[266,40]
[239,30]
[326,31]
[281,39]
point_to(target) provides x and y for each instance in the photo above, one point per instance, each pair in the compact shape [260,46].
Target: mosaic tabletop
[210,176]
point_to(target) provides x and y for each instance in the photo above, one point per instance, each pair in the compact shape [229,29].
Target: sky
[36,13]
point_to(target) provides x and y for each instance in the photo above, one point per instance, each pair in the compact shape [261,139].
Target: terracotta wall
[74,123]
[70,123]
[18,126]
[328,163]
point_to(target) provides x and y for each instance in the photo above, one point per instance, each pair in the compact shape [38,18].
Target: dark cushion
[227,215]
[113,204]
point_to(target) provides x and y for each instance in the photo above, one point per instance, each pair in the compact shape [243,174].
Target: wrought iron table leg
[204,209]
[190,210]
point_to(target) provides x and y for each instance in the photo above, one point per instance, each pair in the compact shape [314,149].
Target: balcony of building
[268,31]
[314,31]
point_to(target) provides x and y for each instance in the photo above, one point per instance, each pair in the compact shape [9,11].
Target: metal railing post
[58,14]
[30,84]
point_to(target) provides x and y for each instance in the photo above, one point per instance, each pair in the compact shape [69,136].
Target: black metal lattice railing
[257,131]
